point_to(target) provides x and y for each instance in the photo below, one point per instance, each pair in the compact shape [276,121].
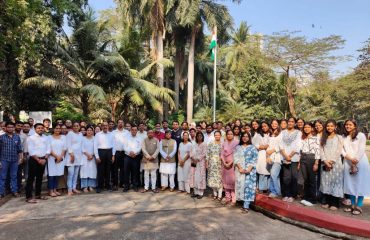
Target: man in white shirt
[119,137]
[104,152]
[32,128]
[132,148]
[165,126]
[142,134]
[25,134]
[39,150]
[209,135]
[2,127]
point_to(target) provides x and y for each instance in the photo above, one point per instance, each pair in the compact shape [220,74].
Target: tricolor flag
[213,45]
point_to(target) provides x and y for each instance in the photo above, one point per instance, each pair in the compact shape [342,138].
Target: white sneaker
[271,195]
[307,203]
[285,199]
[290,200]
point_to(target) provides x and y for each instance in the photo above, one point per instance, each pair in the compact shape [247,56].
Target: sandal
[58,193]
[214,198]
[326,206]
[144,190]
[42,198]
[348,209]
[333,208]
[245,210]
[31,200]
[53,194]
[357,211]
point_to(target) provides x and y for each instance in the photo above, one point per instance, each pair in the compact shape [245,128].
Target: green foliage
[108,67]
[65,110]
[204,114]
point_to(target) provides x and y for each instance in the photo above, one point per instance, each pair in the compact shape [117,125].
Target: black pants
[103,169]
[131,166]
[290,178]
[309,177]
[331,200]
[119,159]
[35,170]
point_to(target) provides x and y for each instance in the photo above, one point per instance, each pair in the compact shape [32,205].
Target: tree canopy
[150,59]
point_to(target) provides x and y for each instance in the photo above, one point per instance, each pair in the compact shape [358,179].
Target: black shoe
[115,188]
[98,190]
[125,190]
[200,196]
[193,195]
[136,189]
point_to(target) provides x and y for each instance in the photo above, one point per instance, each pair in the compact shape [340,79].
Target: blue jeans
[72,177]
[274,185]
[13,167]
[246,204]
[88,182]
[52,182]
[263,181]
[360,200]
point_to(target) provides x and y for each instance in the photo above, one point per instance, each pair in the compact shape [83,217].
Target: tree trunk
[189,112]
[179,61]
[291,102]
[289,86]
[165,105]
[113,111]
[85,104]
[160,68]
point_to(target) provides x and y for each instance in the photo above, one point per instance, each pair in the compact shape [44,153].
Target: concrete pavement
[138,216]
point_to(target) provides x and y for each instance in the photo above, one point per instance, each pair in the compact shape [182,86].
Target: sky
[313,18]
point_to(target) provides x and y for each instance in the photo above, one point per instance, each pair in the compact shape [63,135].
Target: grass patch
[368,142]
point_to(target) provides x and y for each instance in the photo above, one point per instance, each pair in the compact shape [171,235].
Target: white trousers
[198,191]
[164,180]
[152,179]
[184,186]
[217,192]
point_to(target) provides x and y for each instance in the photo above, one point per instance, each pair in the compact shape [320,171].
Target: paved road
[138,216]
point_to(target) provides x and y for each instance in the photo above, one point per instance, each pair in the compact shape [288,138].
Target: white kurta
[358,184]
[88,167]
[274,143]
[74,145]
[258,140]
[57,146]
[166,167]
[183,172]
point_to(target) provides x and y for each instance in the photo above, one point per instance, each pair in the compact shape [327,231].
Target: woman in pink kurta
[198,166]
[228,174]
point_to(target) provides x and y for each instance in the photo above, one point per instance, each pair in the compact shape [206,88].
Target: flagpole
[214,77]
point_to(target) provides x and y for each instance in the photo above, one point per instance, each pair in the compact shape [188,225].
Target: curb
[329,224]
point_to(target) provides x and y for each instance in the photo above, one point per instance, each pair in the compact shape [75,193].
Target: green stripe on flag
[212,48]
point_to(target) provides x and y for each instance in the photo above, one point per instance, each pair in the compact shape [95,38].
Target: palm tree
[74,71]
[196,14]
[241,48]
[137,89]
[93,78]
[150,13]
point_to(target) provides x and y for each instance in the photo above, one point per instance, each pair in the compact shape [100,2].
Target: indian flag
[213,45]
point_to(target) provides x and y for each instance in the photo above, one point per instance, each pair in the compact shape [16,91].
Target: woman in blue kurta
[249,169]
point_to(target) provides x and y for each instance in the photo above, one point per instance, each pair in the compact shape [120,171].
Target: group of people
[287,158]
